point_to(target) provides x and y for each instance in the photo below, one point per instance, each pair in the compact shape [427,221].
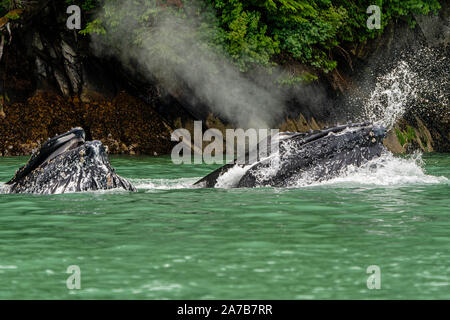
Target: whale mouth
[61,144]
[71,144]
[50,150]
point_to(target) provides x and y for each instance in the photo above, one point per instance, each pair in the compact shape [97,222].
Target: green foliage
[407,136]
[85,4]
[306,30]
[246,39]
[410,133]
[5,6]
[11,9]
[401,137]
[354,29]
[12,15]
[258,32]
[95,26]
[300,29]
[291,80]
[309,39]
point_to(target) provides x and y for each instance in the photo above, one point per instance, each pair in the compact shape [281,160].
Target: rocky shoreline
[123,123]
[51,81]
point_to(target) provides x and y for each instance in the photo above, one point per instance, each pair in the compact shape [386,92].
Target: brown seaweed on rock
[124,124]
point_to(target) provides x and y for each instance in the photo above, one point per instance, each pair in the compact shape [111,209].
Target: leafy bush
[85,4]
[4,7]
[254,32]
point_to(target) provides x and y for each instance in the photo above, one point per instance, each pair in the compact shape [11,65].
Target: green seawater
[172,241]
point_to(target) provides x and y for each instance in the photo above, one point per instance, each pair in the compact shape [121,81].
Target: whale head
[307,156]
[317,156]
[67,163]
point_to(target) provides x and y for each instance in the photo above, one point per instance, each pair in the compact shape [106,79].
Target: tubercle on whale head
[379,131]
[94,149]
[372,135]
[366,133]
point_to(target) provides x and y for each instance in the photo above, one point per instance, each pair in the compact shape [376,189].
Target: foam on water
[231,178]
[3,187]
[164,184]
[386,170]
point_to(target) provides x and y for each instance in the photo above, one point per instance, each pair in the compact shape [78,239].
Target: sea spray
[386,171]
[231,178]
[391,97]
[418,83]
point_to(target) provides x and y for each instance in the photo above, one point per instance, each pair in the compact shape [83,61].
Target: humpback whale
[308,157]
[67,163]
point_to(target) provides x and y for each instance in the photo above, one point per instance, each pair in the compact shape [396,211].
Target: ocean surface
[173,241]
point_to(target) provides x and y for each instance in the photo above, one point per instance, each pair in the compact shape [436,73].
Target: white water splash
[385,171]
[4,188]
[231,178]
[393,92]
[164,184]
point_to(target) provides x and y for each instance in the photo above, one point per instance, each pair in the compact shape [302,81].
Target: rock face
[124,124]
[425,50]
[50,82]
